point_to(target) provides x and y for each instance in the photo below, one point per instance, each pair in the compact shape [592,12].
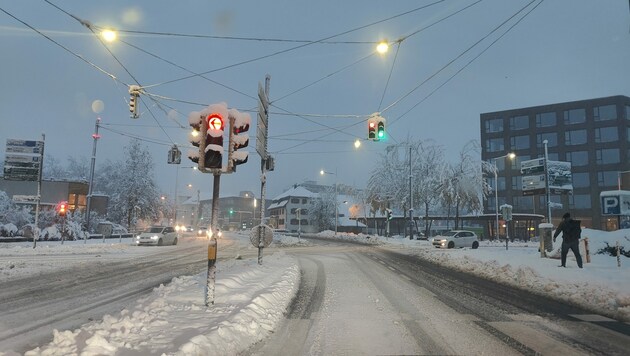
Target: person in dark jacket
[571,233]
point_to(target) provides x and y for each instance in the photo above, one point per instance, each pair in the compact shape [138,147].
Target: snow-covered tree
[130,185]
[429,167]
[463,184]
[13,213]
[322,213]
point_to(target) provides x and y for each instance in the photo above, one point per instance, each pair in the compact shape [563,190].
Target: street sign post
[261,127]
[23,159]
[533,166]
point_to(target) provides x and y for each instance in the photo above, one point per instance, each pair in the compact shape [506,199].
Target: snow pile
[280,240]
[8,230]
[345,236]
[250,300]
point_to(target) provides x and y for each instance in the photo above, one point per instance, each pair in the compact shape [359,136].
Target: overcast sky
[563,50]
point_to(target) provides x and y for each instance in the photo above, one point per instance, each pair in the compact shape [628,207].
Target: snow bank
[250,301]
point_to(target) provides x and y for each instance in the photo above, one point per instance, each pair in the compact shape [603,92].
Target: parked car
[456,238]
[157,235]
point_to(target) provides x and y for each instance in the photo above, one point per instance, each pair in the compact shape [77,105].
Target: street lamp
[322,172]
[496,189]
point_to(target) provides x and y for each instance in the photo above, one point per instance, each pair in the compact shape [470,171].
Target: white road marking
[591,317]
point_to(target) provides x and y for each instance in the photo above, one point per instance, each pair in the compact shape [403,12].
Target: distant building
[55,191]
[594,135]
[234,213]
[291,209]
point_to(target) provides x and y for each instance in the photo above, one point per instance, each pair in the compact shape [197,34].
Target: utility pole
[410,199]
[545,142]
[95,136]
[39,191]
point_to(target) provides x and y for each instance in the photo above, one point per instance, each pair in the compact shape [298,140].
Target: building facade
[593,135]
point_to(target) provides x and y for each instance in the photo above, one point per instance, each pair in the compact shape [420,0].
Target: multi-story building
[593,135]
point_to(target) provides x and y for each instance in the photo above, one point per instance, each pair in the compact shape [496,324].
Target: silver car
[157,235]
[456,238]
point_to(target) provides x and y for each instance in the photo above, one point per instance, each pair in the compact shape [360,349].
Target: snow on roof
[298,191]
[278,205]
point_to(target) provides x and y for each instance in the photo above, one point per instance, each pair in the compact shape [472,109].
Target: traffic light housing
[239,124]
[134,93]
[62,208]
[388,213]
[207,134]
[376,127]
[215,124]
[372,130]
[380,131]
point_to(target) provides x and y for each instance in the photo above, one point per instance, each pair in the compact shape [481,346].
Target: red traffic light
[61,208]
[215,122]
[372,124]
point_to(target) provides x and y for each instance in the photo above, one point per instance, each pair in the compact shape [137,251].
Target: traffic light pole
[263,177]
[39,192]
[96,136]
[212,243]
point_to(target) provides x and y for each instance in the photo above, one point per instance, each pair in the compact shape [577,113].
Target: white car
[456,238]
[157,235]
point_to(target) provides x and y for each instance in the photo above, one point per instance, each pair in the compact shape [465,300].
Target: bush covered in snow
[8,230]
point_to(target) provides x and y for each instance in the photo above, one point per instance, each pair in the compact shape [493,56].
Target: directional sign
[24,146]
[533,166]
[21,162]
[534,185]
[261,126]
[25,198]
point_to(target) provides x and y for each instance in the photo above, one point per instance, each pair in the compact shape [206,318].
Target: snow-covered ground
[250,299]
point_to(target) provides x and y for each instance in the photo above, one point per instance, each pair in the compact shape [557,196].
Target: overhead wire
[297,47]
[64,47]
[470,61]
[456,58]
[89,27]
[389,76]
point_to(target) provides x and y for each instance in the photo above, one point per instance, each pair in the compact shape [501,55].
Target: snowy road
[372,300]
[31,307]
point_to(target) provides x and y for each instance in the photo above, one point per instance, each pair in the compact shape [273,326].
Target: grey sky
[564,50]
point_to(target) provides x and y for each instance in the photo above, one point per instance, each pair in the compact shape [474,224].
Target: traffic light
[134,92]
[372,130]
[239,124]
[194,119]
[214,140]
[388,213]
[62,208]
[380,131]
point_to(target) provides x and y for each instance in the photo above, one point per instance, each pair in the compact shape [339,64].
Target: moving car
[202,231]
[157,235]
[456,238]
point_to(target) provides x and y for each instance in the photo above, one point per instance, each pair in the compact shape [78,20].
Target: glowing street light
[357,143]
[382,47]
[109,35]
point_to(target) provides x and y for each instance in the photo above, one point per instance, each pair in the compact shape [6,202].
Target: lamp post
[496,190]
[322,172]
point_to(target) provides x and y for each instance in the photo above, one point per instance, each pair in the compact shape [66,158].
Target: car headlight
[154,237]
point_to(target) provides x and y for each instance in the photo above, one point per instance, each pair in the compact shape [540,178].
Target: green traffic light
[381,134]
[231,211]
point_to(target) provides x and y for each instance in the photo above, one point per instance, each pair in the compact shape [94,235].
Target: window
[606,134]
[606,112]
[607,179]
[495,145]
[581,180]
[294,221]
[501,181]
[575,116]
[542,200]
[304,222]
[580,201]
[295,200]
[494,125]
[551,137]
[627,112]
[607,156]
[519,122]
[576,137]
[519,142]
[303,200]
[517,183]
[578,158]
[523,203]
[546,119]
[516,162]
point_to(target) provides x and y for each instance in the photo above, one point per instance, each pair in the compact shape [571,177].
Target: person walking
[571,233]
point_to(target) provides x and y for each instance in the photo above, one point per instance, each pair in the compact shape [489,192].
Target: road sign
[24,146]
[533,166]
[261,126]
[25,198]
[20,162]
[20,173]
